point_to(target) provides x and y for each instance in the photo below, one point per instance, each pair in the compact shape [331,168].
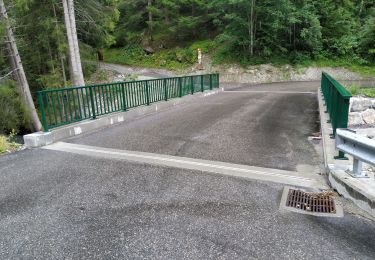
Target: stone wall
[362,112]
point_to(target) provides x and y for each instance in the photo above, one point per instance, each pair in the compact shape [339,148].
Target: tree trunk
[251,27]
[61,56]
[63,70]
[71,31]
[19,73]
[100,54]
[360,8]
[149,4]
[75,38]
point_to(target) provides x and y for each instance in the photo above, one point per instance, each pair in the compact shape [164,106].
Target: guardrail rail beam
[360,147]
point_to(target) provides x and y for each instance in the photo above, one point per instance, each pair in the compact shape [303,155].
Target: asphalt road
[246,127]
[56,205]
[144,72]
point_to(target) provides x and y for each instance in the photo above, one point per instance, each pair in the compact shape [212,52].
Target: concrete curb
[353,189]
[360,191]
[39,139]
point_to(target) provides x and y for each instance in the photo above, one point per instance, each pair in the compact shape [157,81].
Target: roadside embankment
[361,191]
[265,73]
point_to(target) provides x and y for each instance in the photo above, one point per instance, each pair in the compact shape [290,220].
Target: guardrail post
[210,81]
[92,103]
[180,86]
[43,112]
[202,86]
[147,94]
[357,167]
[123,97]
[192,85]
[165,89]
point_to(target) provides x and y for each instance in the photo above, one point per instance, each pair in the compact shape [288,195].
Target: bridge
[201,179]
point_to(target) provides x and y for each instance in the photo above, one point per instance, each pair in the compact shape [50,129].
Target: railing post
[165,89]
[92,103]
[191,85]
[43,112]
[202,86]
[123,97]
[210,81]
[342,121]
[147,94]
[180,86]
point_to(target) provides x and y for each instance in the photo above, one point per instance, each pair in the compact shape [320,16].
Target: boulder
[359,104]
[355,118]
[371,133]
[367,132]
[148,50]
[368,116]
[179,57]
[118,78]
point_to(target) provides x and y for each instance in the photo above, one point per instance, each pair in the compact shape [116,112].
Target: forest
[166,33]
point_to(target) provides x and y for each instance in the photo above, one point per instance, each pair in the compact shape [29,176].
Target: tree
[71,31]
[367,39]
[18,71]
[96,21]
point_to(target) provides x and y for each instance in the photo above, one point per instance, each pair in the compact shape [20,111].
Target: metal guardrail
[337,100]
[361,148]
[64,106]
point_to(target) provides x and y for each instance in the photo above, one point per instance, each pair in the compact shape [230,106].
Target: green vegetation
[248,32]
[355,65]
[7,143]
[13,116]
[174,58]
[181,58]
[356,90]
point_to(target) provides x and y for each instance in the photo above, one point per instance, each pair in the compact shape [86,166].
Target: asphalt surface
[261,129]
[57,205]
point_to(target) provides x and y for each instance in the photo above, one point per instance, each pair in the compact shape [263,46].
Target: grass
[356,90]
[7,144]
[184,57]
[351,64]
[162,59]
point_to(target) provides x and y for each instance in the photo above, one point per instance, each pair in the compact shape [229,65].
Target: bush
[7,143]
[13,112]
[173,58]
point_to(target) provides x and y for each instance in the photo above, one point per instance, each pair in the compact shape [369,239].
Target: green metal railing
[64,106]
[337,100]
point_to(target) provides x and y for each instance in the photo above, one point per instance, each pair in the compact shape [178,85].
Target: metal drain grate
[311,202]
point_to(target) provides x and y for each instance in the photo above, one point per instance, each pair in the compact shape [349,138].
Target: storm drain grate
[322,204]
[309,201]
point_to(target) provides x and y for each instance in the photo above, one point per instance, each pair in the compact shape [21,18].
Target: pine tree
[18,71]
